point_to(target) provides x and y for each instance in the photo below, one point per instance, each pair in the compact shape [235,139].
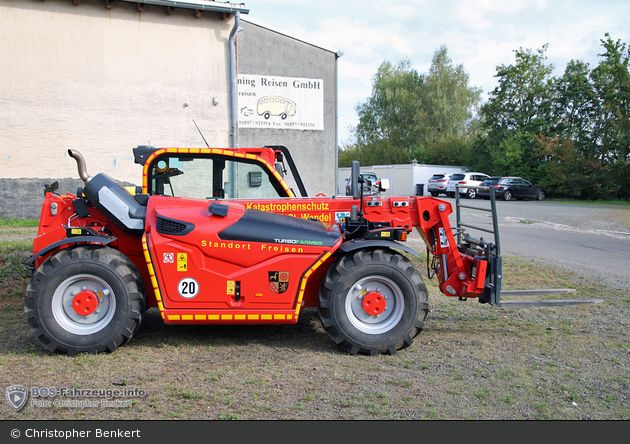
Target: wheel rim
[75,309]
[541,196]
[472,194]
[380,292]
[508,195]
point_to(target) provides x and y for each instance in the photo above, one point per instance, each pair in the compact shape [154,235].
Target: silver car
[437,184]
[465,179]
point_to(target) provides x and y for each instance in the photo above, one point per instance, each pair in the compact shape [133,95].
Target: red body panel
[229,276]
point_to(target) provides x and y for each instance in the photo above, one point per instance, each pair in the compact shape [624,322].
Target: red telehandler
[218,236]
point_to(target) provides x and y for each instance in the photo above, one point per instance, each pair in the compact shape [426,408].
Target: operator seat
[127,212]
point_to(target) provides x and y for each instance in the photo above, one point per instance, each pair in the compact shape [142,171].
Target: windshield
[211,176]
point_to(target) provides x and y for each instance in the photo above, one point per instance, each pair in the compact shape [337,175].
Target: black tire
[372,273]
[507,195]
[83,275]
[267,115]
[434,194]
[450,194]
[541,195]
[471,193]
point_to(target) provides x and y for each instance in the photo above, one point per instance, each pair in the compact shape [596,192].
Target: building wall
[102,81]
[265,52]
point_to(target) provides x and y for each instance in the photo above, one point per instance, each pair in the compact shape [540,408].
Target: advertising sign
[280,102]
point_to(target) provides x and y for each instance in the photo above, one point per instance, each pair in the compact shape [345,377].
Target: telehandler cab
[218,236]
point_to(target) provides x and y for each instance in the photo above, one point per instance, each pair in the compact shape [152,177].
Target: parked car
[437,184]
[465,179]
[371,184]
[508,188]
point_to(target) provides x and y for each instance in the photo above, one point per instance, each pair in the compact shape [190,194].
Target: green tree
[449,102]
[574,107]
[566,172]
[409,113]
[518,110]
[391,117]
[611,132]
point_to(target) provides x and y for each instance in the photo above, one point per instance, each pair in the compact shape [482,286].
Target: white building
[104,76]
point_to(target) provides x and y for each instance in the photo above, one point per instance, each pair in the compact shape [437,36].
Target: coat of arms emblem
[278,281]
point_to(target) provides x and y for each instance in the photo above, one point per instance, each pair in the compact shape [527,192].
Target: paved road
[592,240]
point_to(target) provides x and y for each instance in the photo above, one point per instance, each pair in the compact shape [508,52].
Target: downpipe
[237,20]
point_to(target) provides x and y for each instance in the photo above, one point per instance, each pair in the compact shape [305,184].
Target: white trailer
[404,180]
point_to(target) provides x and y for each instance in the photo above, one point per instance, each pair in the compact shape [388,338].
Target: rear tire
[472,193]
[507,195]
[373,301]
[88,299]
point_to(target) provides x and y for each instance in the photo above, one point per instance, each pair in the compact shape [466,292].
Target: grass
[18,223]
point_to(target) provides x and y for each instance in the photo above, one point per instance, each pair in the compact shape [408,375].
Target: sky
[478,34]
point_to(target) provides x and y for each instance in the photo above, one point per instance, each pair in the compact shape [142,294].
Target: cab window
[211,176]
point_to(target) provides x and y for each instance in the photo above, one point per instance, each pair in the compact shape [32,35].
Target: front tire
[373,301]
[88,299]
[541,196]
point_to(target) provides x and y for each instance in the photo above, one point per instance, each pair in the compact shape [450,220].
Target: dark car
[508,188]
[371,184]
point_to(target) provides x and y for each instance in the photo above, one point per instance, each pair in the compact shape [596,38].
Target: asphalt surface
[591,240]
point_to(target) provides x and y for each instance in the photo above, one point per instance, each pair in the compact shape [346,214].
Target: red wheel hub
[374,303]
[85,302]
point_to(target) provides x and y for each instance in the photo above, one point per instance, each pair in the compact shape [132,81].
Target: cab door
[516,186]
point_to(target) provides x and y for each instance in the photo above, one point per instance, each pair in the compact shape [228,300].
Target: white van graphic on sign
[275,106]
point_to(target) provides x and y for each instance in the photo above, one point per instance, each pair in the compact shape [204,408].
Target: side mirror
[384,184]
[51,188]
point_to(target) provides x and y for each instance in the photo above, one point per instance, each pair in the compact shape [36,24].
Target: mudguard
[371,243]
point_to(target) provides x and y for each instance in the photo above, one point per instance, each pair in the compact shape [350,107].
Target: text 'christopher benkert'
[67,397]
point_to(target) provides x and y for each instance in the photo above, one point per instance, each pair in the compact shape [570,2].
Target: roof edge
[203,5]
[286,34]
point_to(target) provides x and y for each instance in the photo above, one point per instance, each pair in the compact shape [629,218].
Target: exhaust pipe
[85,177]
